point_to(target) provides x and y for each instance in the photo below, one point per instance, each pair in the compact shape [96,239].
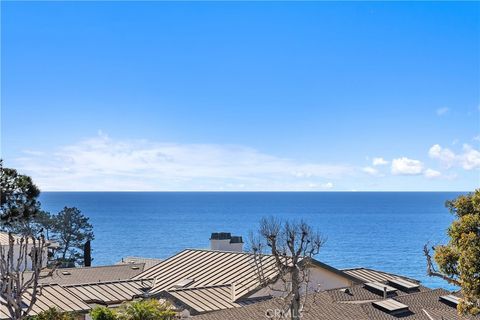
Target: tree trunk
[295,305]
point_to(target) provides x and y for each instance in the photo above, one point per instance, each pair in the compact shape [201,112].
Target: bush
[146,310]
[53,314]
[103,313]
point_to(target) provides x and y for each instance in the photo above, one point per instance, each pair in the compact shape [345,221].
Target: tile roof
[270,309]
[422,305]
[52,296]
[108,293]
[362,293]
[81,275]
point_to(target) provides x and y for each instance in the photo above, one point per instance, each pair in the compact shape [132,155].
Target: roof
[149,262]
[364,293]
[206,299]
[81,275]
[269,310]
[209,268]
[108,293]
[212,268]
[421,305]
[52,296]
[370,275]
[424,305]
[4,238]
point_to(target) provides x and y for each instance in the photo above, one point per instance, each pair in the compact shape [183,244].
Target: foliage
[39,223]
[71,229]
[459,261]
[103,313]
[53,314]
[18,196]
[146,310]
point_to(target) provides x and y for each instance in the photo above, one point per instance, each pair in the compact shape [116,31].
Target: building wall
[16,253]
[320,279]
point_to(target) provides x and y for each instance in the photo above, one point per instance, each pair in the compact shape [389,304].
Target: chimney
[87,254]
[224,241]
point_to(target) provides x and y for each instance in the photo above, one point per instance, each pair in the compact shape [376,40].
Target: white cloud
[103,163]
[328,185]
[371,171]
[442,111]
[406,166]
[379,161]
[446,156]
[431,174]
[469,158]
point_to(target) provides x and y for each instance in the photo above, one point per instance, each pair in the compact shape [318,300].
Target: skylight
[380,287]
[390,306]
[183,283]
[450,300]
[403,284]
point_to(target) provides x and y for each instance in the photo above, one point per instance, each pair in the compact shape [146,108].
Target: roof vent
[135,267]
[66,273]
[380,288]
[346,290]
[183,283]
[450,299]
[403,285]
[391,306]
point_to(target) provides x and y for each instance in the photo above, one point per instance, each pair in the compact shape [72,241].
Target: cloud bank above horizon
[101,163]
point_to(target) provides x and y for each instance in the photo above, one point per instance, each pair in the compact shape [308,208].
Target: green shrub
[146,310]
[103,313]
[53,314]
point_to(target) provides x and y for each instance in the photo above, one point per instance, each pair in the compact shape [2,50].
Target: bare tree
[21,264]
[21,257]
[292,245]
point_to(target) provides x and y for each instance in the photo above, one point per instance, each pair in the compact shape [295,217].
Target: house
[149,262]
[85,275]
[366,301]
[80,289]
[19,244]
[199,281]
[51,296]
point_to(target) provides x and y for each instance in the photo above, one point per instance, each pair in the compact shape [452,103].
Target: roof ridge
[225,251]
[105,282]
[98,267]
[420,292]
[200,287]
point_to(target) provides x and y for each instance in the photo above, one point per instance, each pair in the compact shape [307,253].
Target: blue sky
[242,96]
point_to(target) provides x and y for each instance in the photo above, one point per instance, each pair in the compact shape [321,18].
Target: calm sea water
[384,230]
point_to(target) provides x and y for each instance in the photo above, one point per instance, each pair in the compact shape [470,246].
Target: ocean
[380,230]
